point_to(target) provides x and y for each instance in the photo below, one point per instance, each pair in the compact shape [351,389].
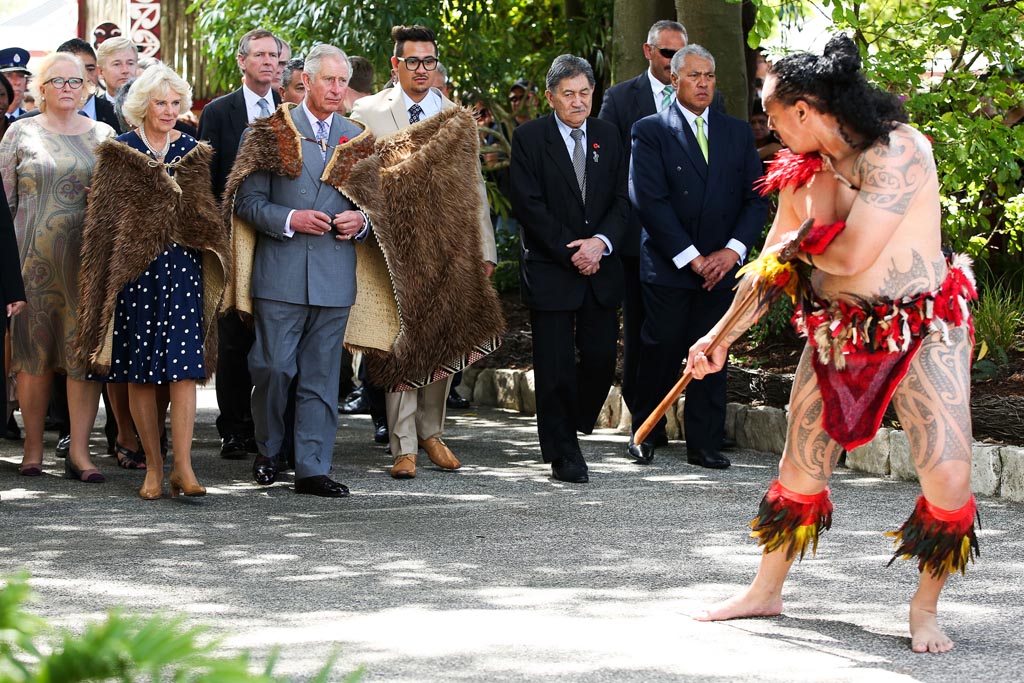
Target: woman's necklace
[159,154]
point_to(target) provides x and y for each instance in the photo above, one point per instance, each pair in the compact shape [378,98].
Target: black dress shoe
[570,470]
[642,453]
[456,401]
[355,404]
[728,444]
[264,470]
[380,432]
[232,447]
[63,446]
[707,458]
[321,485]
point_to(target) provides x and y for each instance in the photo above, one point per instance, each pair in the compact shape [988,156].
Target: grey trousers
[296,340]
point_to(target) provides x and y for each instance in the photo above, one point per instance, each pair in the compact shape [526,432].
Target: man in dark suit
[691,181]
[624,104]
[222,124]
[303,280]
[569,194]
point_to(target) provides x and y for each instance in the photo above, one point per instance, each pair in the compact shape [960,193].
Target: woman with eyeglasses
[47,163]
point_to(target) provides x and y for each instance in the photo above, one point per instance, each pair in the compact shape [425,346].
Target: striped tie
[702,139]
[666,97]
[579,160]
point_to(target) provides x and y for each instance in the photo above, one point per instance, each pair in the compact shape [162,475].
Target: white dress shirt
[658,91]
[430,104]
[252,108]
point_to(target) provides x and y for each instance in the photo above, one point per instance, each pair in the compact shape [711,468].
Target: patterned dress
[45,177]
[158,322]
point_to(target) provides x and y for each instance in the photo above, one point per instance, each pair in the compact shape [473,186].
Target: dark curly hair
[834,84]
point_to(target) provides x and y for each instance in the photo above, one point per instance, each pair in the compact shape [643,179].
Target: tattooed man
[885,316]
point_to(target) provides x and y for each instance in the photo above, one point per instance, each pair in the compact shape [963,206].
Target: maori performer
[886,318]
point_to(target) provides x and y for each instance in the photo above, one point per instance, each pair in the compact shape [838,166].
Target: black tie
[415,112]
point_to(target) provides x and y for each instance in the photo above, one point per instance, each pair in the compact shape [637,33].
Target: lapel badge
[596,156]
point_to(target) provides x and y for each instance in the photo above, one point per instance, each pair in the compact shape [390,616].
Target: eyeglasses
[59,82]
[413,63]
[665,52]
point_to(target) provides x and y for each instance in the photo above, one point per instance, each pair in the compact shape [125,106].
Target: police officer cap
[14,60]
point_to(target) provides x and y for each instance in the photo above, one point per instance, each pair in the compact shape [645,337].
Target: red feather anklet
[942,540]
[791,521]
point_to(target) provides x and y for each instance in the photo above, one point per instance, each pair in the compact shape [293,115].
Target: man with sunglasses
[624,104]
[416,417]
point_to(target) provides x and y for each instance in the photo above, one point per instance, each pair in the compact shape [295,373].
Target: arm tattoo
[893,174]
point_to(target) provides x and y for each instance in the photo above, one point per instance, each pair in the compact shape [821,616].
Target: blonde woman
[47,162]
[154,257]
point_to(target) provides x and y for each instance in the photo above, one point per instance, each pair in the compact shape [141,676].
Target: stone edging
[996,470]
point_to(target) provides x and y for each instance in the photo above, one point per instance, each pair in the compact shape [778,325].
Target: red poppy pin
[597,146]
[342,140]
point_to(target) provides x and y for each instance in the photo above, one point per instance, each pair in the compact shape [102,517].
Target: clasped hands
[587,258]
[347,224]
[714,266]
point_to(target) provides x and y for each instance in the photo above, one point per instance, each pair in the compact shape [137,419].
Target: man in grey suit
[303,283]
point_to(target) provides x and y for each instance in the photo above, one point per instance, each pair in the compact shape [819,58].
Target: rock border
[996,470]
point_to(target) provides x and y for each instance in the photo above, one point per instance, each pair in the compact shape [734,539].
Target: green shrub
[121,648]
[998,323]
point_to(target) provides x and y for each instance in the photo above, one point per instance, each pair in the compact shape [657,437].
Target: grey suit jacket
[385,113]
[301,269]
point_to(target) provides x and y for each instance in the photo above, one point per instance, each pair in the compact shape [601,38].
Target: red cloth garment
[864,348]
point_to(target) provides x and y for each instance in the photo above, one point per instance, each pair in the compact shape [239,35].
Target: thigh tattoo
[933,401]
[808,446]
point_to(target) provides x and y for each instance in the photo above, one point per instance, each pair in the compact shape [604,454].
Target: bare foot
[743,605]
[925,634]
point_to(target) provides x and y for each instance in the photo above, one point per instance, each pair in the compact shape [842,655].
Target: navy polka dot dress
[158,322]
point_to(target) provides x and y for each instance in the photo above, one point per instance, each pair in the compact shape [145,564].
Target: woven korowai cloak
[418,187]
[420,191]
[135,210]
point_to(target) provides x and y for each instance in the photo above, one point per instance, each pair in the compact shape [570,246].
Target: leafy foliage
[484,44]
[958,63]
[998,322]
[123,648]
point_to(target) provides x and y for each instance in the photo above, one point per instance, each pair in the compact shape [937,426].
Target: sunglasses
[665,52]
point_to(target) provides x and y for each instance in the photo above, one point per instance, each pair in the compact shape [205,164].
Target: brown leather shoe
[404,467]
[440,454]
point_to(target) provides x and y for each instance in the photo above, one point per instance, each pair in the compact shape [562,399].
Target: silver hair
[150,84]
[568,66]
[317,54]
[692,49]
[294,66]
[665,25]
[443,72]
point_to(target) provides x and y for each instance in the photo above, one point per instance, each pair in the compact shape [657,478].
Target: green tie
[666,96]
[702,140]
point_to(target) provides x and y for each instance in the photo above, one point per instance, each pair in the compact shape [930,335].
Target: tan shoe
[440,454]
[404,467]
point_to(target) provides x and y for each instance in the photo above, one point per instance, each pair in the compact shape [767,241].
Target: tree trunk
[718,26]
[631,21]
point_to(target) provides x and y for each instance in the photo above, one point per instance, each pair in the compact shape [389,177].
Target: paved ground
[498,573]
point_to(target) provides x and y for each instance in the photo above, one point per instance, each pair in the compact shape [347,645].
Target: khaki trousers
[415,415]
